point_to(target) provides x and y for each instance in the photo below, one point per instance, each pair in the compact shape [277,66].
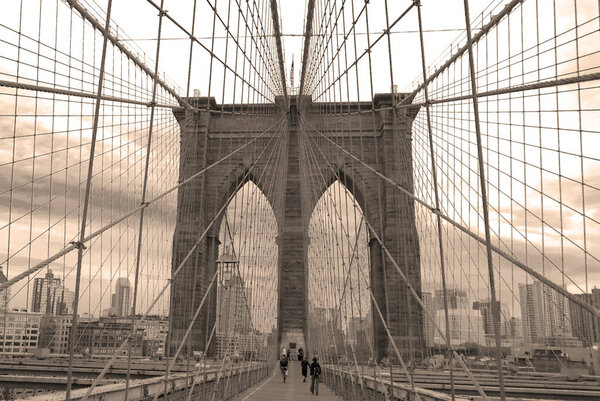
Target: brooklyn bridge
[199,198]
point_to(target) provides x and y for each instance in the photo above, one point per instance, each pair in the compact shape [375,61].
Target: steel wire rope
[143,200]
[129,214]
[340,369]
[246,221]
[243,193]
[328,36]
[544,84]
[406,370]
[518,230]
[466,277]
[361,145]
[467,231]
[211,50]
[360,225]
[189,75]
[417,299]
[500,276]
[175,272]
[334,238]
[339,200]
[79,245]
[406,201]
[378,160]
[437,201]
[370,47]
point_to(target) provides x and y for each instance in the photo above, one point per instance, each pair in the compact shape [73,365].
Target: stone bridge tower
[385,144]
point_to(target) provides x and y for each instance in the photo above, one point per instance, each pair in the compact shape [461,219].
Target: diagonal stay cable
[173,275]
[211,53]
[465,230]
[132,212]
[337,215]
[107,34]
[199,308]
[413,293]
[86,202]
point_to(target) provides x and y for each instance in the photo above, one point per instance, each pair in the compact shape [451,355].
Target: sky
[59,161]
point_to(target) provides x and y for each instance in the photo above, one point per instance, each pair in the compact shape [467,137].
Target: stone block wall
[381,139]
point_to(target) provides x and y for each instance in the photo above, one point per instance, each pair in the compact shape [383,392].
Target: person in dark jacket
[315,372]
[300,354]
[304,368]
[283,366]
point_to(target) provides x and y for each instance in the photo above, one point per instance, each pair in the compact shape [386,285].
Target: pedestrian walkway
[293,389]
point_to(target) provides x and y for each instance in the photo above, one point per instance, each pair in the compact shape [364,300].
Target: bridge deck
[293,389]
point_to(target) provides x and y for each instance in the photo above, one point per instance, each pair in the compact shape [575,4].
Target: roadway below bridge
[90,368]
[51,374]
[518,386]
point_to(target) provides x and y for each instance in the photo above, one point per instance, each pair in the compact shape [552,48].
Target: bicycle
[284,373]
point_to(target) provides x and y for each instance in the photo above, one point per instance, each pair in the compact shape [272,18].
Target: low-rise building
[105,335]
[54,333]
[19,331]
[155,330]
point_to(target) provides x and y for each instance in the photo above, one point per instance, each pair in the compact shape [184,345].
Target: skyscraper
[428,325]
[120,303]
[485,309]
[584,325]
[466,326]
[49,296]
[545,313]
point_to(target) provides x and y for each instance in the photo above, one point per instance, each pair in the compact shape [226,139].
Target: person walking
[315,372]
[304,368]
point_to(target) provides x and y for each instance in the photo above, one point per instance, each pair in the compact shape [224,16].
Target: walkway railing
[352,387]
[212,385]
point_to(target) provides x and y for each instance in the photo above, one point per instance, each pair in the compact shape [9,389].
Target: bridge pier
[384,138]
[293,290]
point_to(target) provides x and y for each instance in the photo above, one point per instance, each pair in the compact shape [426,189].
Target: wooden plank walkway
[293,389]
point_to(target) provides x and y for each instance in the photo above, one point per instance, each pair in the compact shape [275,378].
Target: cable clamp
[145,204]
[162,13]
[417,2]
[436,210]
[78,244]
[152,104]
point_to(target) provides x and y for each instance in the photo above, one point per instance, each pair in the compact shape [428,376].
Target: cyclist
[283,365]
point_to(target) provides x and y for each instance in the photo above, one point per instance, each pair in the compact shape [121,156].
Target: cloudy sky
[44,140]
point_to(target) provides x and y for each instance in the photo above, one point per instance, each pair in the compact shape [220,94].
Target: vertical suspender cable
[88,188]
[143,201]
[485,206]
[437,198]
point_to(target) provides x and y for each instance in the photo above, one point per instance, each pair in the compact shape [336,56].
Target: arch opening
[340,320]
[247,263]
